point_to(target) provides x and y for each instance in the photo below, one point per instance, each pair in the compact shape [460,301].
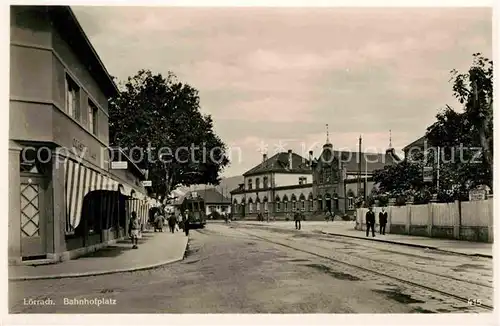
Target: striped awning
[125,190]
[79,181]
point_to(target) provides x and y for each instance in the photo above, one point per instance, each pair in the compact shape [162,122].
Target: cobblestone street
[235,269]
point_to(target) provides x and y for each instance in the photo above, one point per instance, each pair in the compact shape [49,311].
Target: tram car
[196,207]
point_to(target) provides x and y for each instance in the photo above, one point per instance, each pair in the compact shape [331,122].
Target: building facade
[62,192]
[277,186]
[339,177]
[287,181]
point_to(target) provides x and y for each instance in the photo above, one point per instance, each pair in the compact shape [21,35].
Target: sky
[272,78]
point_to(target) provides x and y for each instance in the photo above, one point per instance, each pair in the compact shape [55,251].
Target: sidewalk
[155,249]
[346,229]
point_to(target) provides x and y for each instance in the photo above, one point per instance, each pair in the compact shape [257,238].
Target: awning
[79,181]
[125,190]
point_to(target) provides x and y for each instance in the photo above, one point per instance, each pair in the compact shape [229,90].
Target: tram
[196,207]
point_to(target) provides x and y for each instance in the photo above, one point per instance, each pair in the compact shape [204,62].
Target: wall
[472,221]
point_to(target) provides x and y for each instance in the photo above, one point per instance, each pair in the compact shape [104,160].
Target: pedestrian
[382,217]
[297,219]
[179,222]
[171,222]
[370,221]
[185,220]
[159,221]
[133,229]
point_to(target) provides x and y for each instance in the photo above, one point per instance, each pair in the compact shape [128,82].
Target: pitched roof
[416,143]
[210,196]
[279,163]
[369,161]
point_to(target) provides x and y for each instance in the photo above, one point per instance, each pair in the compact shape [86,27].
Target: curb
[395,242]
[408,244]
[86,274]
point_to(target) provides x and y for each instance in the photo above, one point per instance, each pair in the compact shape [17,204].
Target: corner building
[63,199]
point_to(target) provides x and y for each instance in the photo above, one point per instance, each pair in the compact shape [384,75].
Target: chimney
[310,158]
[290,159]
[264,157]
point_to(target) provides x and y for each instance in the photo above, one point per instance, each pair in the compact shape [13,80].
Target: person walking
[171,222]
[370,221]
[133,230]
[185,221]
[297,217]
[382,219]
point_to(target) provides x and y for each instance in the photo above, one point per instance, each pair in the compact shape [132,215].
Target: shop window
[72,98]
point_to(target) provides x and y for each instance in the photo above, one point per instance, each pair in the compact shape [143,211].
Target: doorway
[33,217]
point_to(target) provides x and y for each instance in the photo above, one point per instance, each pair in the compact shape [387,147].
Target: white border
[310,319]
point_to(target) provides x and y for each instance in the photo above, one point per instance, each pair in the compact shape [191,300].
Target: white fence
[472,220]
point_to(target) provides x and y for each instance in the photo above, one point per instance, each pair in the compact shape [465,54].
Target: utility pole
[359,166]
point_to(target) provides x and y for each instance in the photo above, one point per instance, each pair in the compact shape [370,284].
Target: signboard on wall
[147,183]
[428,174]
[119,165]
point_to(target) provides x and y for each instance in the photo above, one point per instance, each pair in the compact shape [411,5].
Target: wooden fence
[472,220]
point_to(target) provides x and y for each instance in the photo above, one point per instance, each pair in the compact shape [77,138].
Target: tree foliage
[161,118]
[464,139]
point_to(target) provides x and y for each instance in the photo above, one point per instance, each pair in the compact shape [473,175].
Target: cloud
[268,74]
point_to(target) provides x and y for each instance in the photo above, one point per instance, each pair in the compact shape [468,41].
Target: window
[257,183]
[303,205]
[249,184]
[327,175]
[92,118]
[302,180]
[265,182]
[294,205]
[250,207]
[278,206]
[72,98]
[311,205]
[258,206]
[350,203]
[265,206]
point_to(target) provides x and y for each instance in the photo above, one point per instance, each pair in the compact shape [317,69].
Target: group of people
[159,220]
[370,221]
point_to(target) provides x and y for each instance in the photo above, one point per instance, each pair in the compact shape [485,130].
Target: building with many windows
[330,183]
[277,186]
[64,199]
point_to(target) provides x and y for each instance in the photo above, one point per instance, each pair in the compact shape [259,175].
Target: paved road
[235,269]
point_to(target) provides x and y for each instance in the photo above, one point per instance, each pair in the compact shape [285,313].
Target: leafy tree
[474,89]
[466,139]
[160,117]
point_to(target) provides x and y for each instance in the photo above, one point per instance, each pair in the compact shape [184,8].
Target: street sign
[147,183]
[119,165]
[428,174]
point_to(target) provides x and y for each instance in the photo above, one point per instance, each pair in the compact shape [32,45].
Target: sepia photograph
[250,160]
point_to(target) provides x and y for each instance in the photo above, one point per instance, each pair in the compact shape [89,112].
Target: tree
[461,135]
[157,121]
[474,90]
